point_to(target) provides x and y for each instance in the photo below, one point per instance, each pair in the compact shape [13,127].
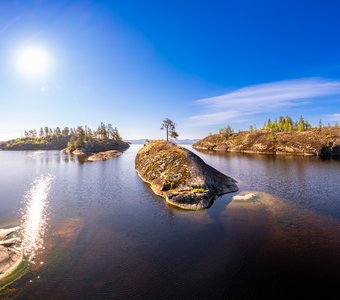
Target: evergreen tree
[58,131]
[226,131]
[46,131]
[65,131]
[301,125]
[281,123]
[275,126]
[170,129]
[270,124]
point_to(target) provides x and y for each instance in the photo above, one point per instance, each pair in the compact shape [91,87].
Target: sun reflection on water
[34,217]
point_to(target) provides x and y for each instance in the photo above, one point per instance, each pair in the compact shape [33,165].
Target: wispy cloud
[9,24]
[252,100]
[333,117]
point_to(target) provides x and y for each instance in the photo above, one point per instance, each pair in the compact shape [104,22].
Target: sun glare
[34,219]
[33,61]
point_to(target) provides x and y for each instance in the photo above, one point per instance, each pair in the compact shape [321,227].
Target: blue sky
[204,64]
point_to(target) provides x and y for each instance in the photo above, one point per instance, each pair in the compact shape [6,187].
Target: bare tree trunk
[167,134]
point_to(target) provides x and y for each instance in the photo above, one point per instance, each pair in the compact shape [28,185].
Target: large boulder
[10,256]
[180,176]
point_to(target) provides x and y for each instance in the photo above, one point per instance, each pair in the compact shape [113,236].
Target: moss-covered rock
[180,176]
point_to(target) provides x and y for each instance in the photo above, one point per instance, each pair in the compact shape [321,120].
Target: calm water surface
[104,235]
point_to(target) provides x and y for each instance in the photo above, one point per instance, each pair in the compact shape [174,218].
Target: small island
[101,144]
[180,176]
[281,136]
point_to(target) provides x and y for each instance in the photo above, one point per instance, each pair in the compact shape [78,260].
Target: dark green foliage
[73,138]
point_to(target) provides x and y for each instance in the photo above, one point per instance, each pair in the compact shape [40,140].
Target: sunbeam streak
[34,216]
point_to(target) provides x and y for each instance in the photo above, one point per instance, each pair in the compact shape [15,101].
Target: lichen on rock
[10,256]
[180,176]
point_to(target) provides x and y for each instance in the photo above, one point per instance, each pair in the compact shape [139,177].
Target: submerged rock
[180,176]
[245,197]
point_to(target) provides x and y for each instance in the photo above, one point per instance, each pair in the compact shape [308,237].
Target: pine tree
[270,124]
[170,128]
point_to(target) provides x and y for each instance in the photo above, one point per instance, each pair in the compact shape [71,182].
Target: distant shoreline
[145,141]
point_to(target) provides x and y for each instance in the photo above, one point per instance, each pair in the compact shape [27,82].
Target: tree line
[286,124]
[103,132]
[75,137]
[282,124]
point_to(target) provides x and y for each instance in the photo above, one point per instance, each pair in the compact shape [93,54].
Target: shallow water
[307,181]
[107,236]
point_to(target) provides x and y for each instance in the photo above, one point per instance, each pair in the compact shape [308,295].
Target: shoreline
[12,268]
[314,142]
[279,153]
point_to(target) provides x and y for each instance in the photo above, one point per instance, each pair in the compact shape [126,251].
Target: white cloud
[252,100]
[333,117]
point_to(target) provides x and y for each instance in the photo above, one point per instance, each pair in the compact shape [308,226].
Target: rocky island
[180,176]
[320,142]
[100,144]
[96,150]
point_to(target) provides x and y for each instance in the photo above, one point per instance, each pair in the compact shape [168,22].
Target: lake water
[100,233]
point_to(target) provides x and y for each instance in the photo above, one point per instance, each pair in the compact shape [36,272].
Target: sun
[33,61]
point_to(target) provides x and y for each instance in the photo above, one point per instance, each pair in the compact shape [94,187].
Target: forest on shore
[283,124]
[47,138]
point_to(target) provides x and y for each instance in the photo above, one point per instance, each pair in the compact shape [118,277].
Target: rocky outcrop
[27,144]
[324,142]
[92,146]
[180,176]
[10,256]
[99,150]
[104,155]
[78,152]
[96,146]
